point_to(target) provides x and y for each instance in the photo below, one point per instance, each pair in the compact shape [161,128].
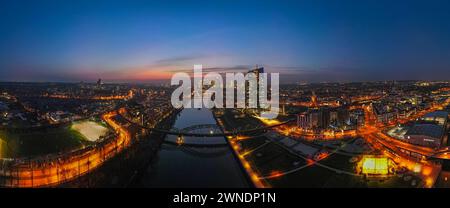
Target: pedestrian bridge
[215,130]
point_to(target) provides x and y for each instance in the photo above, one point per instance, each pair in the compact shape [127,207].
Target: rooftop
[437,114]
[430,130]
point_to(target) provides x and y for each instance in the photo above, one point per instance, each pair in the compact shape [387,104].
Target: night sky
[143,41]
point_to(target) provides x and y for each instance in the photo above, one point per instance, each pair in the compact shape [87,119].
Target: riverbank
[127,168]
[186,166]
[251,175]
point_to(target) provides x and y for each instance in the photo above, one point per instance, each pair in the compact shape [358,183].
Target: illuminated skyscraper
[248,98]
[313,100]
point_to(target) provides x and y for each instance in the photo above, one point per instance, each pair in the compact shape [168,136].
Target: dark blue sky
[148,40]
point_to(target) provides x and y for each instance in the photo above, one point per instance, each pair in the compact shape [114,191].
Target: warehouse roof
[430,130]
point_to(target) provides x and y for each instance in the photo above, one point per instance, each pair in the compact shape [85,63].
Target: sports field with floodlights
[91,130]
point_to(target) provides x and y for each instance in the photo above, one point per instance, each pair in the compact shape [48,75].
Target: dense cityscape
[218,103]
[361,134]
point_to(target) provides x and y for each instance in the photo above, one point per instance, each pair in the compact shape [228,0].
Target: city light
[227,94]
[375,165]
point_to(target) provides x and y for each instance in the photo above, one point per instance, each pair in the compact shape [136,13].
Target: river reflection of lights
[180,140]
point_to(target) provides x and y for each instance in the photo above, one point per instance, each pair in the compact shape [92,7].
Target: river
[191,167]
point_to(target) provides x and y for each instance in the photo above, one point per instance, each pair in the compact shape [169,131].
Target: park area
[47,141]
[39,142]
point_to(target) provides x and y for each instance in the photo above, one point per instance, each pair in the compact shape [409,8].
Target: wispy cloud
[179,59]
[164,69]
[237,68]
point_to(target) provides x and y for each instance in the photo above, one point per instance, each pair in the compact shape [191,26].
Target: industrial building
[428,135]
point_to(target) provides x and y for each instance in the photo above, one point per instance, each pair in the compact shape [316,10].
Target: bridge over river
[191,131]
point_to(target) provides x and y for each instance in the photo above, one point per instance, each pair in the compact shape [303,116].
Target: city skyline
[215,102]
[143,42]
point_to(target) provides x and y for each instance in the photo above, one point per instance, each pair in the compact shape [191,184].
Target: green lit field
[91,130]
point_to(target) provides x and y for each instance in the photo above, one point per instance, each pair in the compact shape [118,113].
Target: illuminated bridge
[216,131]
